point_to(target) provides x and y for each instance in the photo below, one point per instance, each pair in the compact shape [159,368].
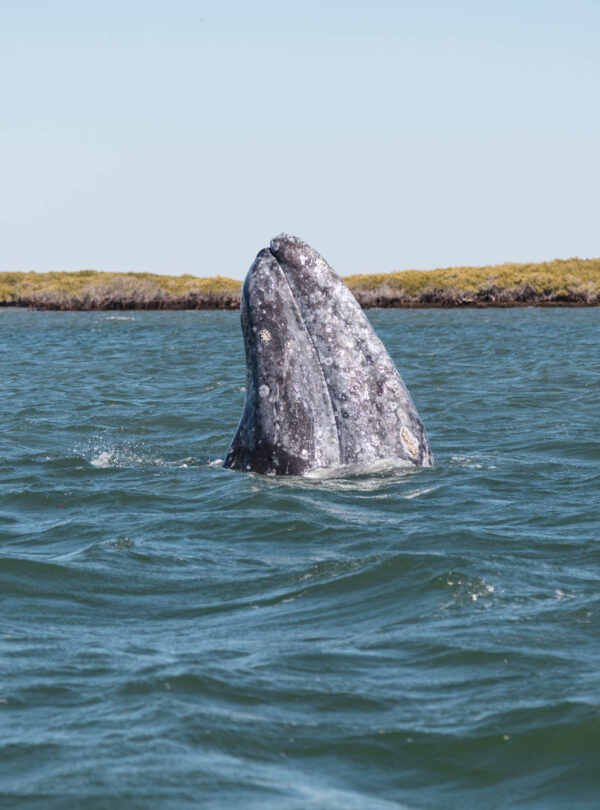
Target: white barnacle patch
[265,335]
[409,441]
[263,391]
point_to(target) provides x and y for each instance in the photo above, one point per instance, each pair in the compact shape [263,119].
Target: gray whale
[321,389]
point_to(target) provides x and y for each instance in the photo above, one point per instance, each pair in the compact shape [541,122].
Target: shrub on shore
[90,290]
[570,281]
[561,282]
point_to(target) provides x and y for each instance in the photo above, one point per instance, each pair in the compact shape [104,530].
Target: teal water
[176,635]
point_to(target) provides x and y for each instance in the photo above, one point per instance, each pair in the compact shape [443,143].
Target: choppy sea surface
[177,635]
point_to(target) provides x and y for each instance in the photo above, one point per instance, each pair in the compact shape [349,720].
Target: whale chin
[321,389]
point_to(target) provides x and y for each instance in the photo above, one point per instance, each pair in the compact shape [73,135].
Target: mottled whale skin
[321,389]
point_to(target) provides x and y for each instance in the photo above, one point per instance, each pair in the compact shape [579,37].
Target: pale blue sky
[178,137]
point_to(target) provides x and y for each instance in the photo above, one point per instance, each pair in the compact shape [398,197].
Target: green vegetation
[566,282]
[90,289]
[561,282]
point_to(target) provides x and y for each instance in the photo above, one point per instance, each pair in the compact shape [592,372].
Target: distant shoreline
[560,283]
[215,306]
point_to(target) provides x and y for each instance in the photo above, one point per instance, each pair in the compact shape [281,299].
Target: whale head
[321,390]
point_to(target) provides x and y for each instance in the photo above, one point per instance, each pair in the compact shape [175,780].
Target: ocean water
[177,635]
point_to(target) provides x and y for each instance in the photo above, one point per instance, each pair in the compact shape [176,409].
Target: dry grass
[561,282]
[570,281]
[89,289]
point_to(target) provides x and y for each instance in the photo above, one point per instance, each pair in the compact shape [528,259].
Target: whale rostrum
[321,389]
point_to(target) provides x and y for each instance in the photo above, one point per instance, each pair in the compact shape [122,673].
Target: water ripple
[174,633]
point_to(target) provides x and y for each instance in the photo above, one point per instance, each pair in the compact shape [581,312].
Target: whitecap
[103,459]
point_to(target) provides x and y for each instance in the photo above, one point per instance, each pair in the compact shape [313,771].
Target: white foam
[382,465]
[119,457]
[104,459]
[415,493]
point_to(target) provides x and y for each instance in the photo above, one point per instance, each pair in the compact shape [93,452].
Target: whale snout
[290,251]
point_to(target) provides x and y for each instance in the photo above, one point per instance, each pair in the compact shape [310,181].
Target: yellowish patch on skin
[409,441]
[265,335]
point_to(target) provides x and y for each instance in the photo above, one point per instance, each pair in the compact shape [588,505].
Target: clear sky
[178,136]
